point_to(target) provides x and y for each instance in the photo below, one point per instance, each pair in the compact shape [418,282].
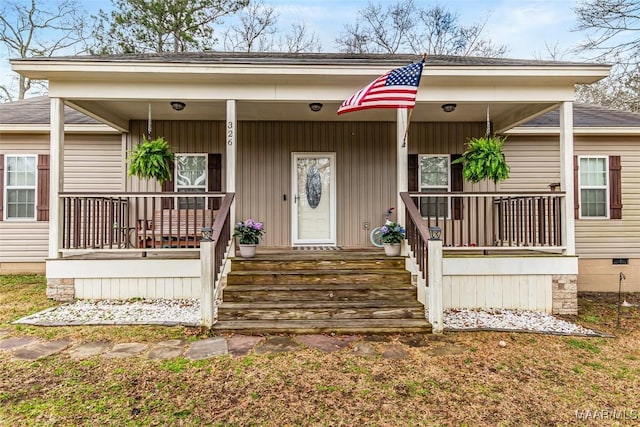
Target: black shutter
[615,187]
[43,187]
[412,166]
[457,184]
[169,187]
[214,177]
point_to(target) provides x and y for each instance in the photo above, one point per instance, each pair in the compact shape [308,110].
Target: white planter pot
[247,250]
[392,249]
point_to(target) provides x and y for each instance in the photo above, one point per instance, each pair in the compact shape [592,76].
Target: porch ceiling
[503,114]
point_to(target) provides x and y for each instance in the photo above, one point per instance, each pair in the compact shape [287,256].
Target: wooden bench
[175,228]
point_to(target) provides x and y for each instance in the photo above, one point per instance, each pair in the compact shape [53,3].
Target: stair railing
[417,233]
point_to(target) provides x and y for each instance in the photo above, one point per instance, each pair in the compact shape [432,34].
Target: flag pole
[406,131]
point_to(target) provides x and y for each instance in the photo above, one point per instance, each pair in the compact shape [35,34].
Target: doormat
[317,248]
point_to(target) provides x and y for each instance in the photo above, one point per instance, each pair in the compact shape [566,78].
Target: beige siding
[92,163]
[183,137]
[602,276]
[365,173]
[534,163]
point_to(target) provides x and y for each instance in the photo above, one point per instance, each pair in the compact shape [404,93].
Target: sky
[525,26]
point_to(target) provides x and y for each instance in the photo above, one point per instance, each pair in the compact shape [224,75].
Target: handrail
[221,235]
[417,233]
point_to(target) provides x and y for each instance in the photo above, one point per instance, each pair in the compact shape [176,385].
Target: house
[92,149]
[251,130]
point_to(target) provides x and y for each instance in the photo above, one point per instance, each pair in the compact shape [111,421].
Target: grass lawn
[534,380]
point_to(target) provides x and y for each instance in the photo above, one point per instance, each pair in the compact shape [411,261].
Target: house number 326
[229,133]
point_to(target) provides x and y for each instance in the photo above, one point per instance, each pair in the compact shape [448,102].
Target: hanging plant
[151,159]
[484,160]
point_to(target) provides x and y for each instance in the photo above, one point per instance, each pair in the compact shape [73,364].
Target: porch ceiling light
[448,108]
[207,232]
[315,106]
[177,105]
[435,233]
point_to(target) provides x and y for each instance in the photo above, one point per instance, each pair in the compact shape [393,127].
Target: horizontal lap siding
[92,163]
[535,163]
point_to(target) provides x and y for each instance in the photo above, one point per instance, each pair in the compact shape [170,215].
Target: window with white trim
[594,186]
[190,175]
[434,176]
[20,186]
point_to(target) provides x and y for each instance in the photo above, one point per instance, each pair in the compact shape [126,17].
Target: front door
[314,199]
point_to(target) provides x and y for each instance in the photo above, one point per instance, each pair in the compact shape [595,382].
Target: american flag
[395,89]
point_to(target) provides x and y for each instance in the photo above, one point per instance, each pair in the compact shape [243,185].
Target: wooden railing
[137,221]
[491,220]
[417,233]
[222,233]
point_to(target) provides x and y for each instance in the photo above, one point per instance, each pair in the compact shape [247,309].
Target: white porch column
[56,157]
[207,284]
[402,174]
[231,151]
[566,176]
[434,280]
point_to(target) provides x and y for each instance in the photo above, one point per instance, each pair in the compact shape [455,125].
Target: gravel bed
[187,312]
[120,312]
[511,320]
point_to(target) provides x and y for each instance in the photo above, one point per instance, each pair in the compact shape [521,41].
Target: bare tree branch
[255,31]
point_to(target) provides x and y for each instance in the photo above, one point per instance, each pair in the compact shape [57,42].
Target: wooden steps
[316,292]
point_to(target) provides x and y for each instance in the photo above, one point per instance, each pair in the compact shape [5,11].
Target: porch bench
[172,228]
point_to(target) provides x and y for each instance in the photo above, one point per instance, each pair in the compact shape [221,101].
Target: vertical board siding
[524,292]
[535,163]
[365,169]
[365,174]
[92,163]
[188,136]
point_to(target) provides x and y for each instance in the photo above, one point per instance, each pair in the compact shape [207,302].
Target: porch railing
[417,233]
[491,220]
[137,221]
[222,234]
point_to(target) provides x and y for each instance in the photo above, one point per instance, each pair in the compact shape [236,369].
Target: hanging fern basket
[151,159]
[484,159]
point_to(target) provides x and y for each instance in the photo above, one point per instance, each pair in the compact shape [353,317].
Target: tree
[300,39]
[614,36]
[156,26]
[434,30]
[39,28]
[255,30]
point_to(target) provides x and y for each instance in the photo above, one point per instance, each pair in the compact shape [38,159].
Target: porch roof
[276,86]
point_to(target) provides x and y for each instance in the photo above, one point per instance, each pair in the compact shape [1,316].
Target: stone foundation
[564,293]
[62,290]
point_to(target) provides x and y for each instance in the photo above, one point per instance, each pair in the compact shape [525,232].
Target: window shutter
[576,189]
[412,178]
[214,178]
[615,187]
[44,185]
[168,187]
[412,166]
[457,184]
[1,186]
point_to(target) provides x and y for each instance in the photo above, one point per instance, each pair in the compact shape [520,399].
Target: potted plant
[392,235]
[484,159]
[248,233]
[151,159]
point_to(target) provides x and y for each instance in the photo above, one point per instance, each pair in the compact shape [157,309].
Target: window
[594,191]
[191,176]
[434,176]
[20,188]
